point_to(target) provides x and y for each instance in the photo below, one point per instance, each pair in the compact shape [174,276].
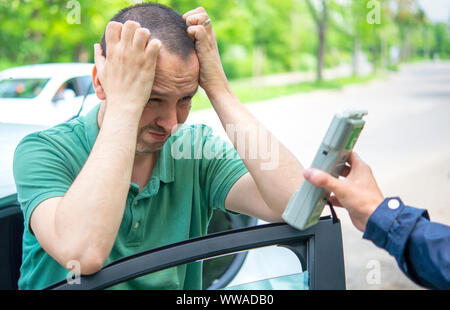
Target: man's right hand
[128,70]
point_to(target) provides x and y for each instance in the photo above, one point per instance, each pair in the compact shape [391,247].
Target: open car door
[319,250]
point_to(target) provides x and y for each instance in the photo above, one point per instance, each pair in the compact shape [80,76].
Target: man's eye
[185,101]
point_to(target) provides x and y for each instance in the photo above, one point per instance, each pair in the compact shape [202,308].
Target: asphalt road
[406,141]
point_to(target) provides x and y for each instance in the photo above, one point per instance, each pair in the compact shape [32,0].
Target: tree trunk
[321,23]
[81,54]
[258,61]
[321,51]
[383,53]
[356,59]
[375,58]
[426,47]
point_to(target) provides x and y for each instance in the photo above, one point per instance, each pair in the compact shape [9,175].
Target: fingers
[130,34]
[113,33]
[198,22]
[128,31]
[99,58]
[322,179]
[199,10]
[197,33]
[152,51]
[334,201]
[197,19]
[345,171]
[141,38]
[356,161]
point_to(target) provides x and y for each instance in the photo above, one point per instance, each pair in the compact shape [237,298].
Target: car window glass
[215,269]
[74,87]
[21,88]
[85,85]
[271,266]
[220,270]
[297,281]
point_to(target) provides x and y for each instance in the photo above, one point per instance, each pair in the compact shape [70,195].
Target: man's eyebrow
[155,93]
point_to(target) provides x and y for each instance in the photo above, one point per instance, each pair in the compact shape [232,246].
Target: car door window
[75,87]
[297,281]
[84,85]
[218,272]
[271,267]
[21,88]
[266,268]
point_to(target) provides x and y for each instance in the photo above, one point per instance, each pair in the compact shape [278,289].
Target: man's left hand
[212,76]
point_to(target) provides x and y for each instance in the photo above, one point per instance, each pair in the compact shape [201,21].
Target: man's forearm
[275,170]
[88,217]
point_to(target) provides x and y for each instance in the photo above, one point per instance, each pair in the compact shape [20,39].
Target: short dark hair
[164,24]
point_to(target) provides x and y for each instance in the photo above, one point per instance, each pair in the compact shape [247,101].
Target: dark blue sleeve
[421,247]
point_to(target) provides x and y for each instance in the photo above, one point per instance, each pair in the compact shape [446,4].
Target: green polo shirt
[192,177]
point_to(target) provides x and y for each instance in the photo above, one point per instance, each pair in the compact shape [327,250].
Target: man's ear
[99,91]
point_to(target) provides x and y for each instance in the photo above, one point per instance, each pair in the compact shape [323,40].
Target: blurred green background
[256,37]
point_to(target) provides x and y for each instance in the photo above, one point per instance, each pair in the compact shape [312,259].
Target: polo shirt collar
[164,168]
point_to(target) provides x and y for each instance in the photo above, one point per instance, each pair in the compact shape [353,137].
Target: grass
[249,93]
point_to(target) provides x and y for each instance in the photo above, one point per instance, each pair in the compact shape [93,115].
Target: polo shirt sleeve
[221,168]
[40,171]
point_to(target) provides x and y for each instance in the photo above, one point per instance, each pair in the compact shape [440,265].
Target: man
[108,185]
[421,247]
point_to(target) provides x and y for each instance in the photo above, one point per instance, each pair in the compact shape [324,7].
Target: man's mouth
[158,136]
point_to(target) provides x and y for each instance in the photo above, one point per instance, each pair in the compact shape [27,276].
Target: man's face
[176,82]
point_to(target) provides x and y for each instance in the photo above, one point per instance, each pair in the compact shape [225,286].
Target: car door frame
[318,248]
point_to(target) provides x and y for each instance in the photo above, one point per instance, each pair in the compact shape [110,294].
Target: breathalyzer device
[306,205]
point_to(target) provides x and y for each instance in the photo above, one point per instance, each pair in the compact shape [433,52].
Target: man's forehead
[169,59]
[176,74]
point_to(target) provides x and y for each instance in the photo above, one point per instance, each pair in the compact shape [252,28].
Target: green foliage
[441,38]
[256,37]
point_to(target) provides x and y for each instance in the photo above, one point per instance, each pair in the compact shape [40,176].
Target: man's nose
[168,119]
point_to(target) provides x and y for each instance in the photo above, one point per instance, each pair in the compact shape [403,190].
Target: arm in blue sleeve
[421,247]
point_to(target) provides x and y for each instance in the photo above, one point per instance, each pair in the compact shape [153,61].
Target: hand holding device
[306,205]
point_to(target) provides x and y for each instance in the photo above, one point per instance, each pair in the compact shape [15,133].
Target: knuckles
[143,31]
[131,24]
[114,26]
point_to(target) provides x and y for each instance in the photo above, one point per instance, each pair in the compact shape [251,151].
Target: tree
[319,14]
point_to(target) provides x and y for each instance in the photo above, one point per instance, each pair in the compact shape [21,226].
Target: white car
[46,94]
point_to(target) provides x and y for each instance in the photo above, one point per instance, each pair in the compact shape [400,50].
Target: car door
[319,250]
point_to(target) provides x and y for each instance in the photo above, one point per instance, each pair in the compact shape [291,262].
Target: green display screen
[353,138]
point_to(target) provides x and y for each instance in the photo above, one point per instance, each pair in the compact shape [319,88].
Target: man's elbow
[87,263]
[92,265]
